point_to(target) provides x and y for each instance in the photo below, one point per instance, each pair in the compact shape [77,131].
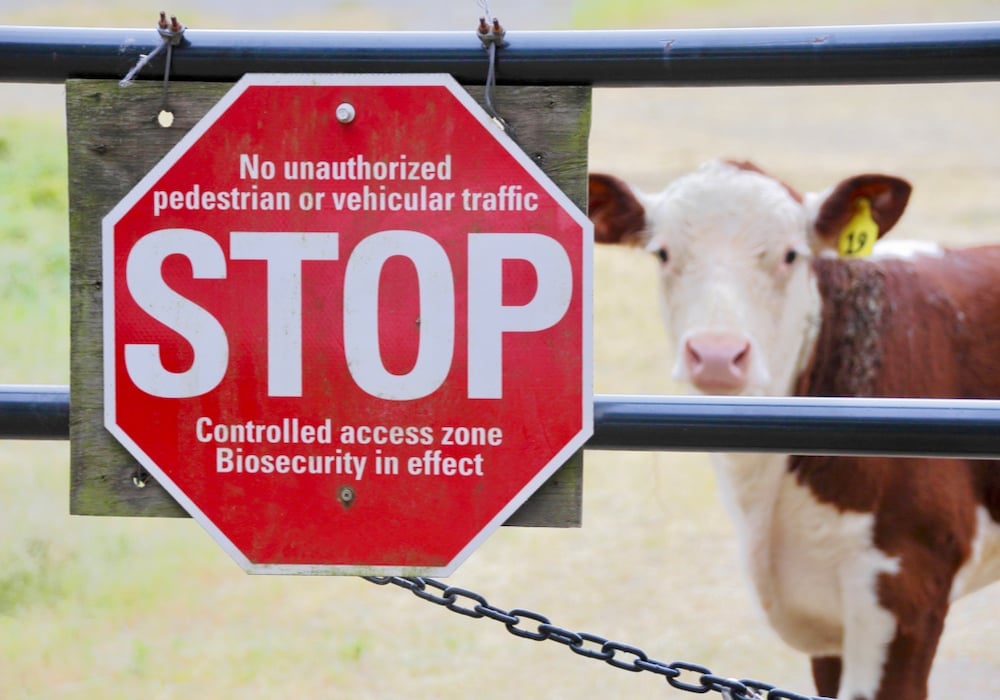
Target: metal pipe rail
[946,52]
[33,412]
[798,425]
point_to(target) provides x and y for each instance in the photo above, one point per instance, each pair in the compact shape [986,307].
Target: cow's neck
[749,485]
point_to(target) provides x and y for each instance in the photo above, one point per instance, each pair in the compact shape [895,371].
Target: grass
[345,14]
[34,259]
[125,608]
[35,563]
[623,14]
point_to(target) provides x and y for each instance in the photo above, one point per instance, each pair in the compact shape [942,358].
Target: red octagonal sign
[347,324]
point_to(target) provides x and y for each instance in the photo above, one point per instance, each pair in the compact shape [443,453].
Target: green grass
[342,14]
[106,608]
[600,14]
[36,564]
[34,258]
[622,14]
[124,608]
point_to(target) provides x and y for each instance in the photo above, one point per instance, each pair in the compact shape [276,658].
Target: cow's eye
[791,255]
[662,254]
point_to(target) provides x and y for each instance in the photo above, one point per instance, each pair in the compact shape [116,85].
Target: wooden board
[114,139]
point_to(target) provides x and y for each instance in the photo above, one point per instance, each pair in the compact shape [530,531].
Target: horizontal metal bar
[798,425]
[33,412]
[751,56]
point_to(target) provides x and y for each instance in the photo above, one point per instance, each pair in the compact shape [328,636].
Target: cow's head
[734,248]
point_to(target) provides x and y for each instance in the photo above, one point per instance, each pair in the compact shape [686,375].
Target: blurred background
[128,608]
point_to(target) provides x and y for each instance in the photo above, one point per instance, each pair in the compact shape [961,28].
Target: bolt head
[345,113]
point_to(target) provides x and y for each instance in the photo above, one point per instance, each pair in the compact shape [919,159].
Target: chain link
[688,677]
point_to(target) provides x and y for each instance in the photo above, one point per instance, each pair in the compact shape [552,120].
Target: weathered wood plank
[114,140]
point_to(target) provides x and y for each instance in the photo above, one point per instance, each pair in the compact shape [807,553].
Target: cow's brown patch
[928,327]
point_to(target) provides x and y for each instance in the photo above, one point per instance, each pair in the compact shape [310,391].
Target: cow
[854,560]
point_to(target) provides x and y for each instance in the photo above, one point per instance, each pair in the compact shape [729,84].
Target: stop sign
[347,324]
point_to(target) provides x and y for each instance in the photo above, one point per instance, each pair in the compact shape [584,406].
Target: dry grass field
[104,608]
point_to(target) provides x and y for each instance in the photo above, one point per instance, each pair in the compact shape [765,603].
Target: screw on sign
[347,324]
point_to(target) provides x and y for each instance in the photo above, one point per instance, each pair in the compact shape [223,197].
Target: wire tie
[492,35]
[171,35]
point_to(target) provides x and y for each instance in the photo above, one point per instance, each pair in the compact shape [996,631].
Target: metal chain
[692,678]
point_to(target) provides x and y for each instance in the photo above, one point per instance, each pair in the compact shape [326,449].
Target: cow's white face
[734,248]
[737,294]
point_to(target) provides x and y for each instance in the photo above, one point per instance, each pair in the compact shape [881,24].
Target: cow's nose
[717,362]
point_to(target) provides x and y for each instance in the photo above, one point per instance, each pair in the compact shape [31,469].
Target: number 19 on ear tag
[859,235]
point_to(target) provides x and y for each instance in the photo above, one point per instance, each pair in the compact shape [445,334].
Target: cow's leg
[826,674]
[920,604]
[908,663]
[869,627]
[889,647]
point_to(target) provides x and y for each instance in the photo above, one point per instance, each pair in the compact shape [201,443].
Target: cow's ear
[883,197]
[617,213]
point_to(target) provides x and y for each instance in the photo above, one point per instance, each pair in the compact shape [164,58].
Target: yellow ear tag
[859,235]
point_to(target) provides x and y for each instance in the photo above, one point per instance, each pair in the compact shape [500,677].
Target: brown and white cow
[854,560]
